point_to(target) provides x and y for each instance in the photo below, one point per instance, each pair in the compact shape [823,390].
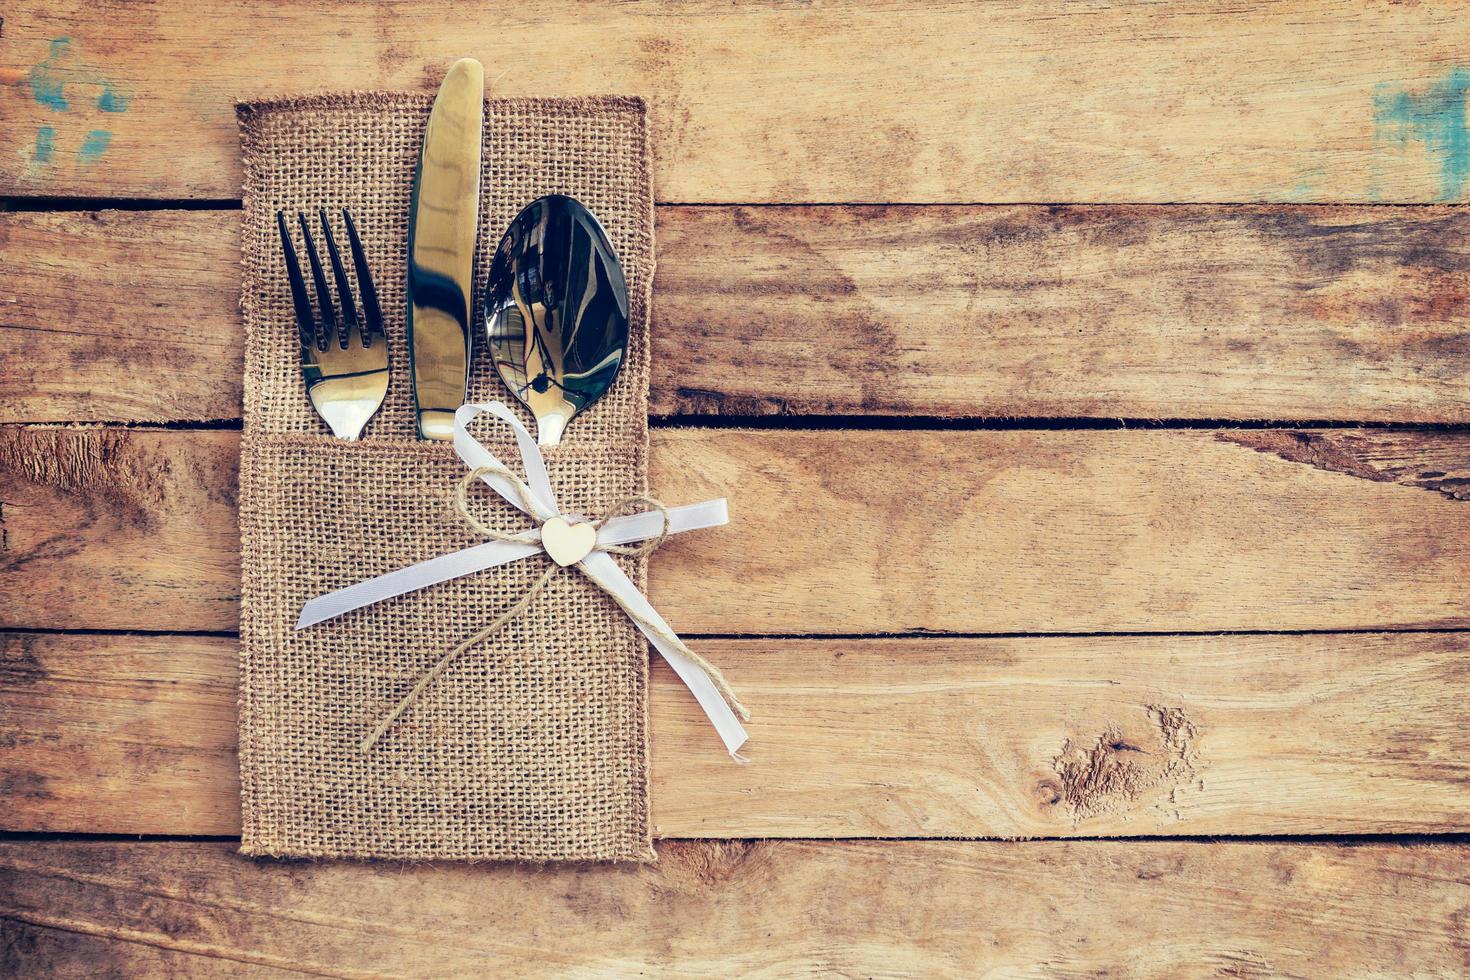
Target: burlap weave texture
[533,745]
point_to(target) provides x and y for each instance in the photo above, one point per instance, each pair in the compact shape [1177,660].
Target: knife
[443,217]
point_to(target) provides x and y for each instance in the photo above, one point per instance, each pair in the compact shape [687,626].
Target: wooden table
[1069,655]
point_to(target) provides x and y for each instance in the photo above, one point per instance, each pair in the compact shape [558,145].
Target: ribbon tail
[686,517]
[600,567]
[414,577]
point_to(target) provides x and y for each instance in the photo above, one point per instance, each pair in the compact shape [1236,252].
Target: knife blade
[443,217]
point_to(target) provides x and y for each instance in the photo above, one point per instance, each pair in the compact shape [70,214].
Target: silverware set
[555,312]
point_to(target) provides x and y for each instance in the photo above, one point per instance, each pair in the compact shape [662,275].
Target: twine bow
[615,532]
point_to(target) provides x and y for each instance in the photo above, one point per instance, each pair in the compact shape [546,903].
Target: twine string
[528,500]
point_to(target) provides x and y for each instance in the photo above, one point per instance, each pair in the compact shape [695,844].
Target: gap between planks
[226,634]
[1446,839]
[887,423]
[42,203]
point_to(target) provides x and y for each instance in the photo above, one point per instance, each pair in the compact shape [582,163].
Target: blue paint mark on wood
[1434,117]
[47,87]
[111,100]
[45,147]
[94,146]
[49,79]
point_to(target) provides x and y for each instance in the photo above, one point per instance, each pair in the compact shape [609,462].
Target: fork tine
[344,288]
[372,313]
[328,318]
[305,318]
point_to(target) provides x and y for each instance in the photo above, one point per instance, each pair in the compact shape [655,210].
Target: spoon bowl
[556,312]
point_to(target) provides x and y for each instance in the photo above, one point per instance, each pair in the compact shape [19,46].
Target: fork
[344,362]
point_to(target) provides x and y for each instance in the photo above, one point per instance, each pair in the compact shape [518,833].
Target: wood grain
[849,531]
[1318,100]
[876,908]
[120,315]
[95,522]
[1033,737]
[1272,312]
[1291,312]
[1102,308]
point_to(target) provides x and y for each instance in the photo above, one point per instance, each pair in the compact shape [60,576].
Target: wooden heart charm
[566,543]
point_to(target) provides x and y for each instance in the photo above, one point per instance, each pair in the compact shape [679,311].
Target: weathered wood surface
[120,315]
[1284,312]
[1320,100]
[1194,310]
[876,908]
[1035,737]
[850,531]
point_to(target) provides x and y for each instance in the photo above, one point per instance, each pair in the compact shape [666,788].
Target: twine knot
[647,547]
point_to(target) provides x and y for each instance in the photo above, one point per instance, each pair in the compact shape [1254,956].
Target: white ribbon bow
[597,565]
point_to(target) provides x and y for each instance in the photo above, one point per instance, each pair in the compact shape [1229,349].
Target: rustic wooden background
[1096,381]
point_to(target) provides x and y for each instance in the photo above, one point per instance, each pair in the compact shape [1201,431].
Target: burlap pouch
[534,744]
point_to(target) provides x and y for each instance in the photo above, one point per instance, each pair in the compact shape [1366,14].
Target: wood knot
[1120,768]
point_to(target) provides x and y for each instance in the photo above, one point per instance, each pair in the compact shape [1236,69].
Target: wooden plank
[850,531]
[1033,737]
[154,735]
[1284,312]
[120,315]
[54,951]
[874,908]
[107,519]
[1319,100]
[1290,312]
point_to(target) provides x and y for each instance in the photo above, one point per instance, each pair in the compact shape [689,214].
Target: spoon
[556,312]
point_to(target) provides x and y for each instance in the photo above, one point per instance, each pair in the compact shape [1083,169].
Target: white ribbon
[597,565]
